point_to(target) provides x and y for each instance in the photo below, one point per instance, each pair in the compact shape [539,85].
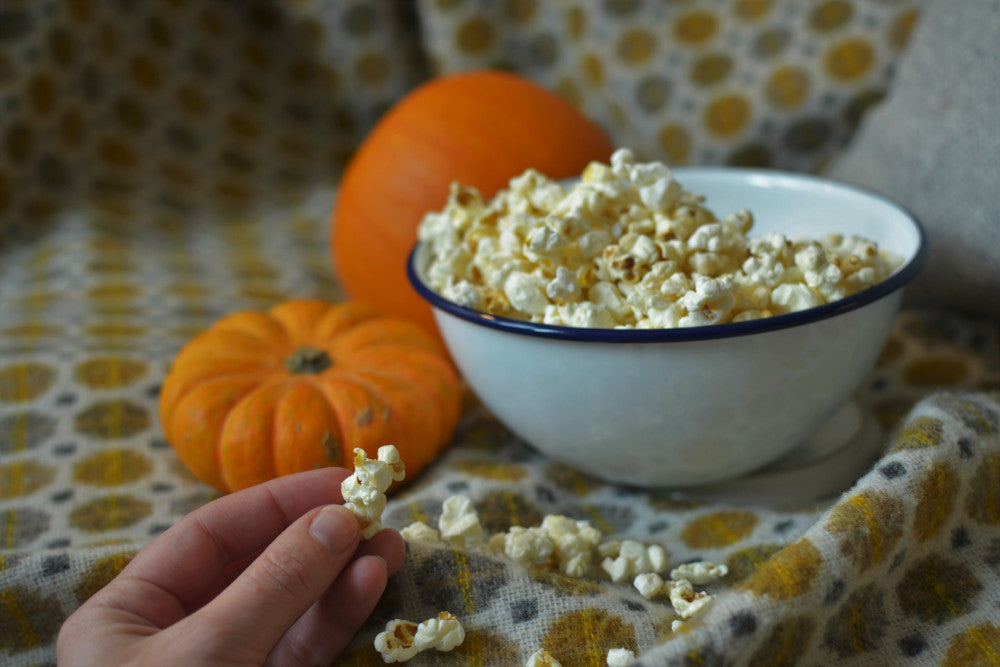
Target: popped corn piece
[563,287]
[809,256]
[752,314]
[586,314]
[418,531]
[607,295]
[826,280]
[575,566]
[543,244]
[632,558]
[443,633]
[528,546]
[699,572]
[526,292]
[364,491]
[389,455]
[657,188]
[620,657]
[396,642]
[573,541]
[369,515]
[593,242]
[463,293]
[542,658]
[402,640]
[764,270]
[649,584]
[667,317]
[676,286]
[617,569]
[724,239]
[685,601]
[628,258]
[495,543]
[459,523]
[861,279]
[709,303]
[676,625]
[791,297]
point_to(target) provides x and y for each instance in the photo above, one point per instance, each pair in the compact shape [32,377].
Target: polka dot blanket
[166,163]
[902,566]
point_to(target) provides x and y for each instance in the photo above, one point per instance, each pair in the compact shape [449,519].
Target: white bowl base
[829,462]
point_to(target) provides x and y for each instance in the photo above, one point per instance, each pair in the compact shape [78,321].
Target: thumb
[288,577]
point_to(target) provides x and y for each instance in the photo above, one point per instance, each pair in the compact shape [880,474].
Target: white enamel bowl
[688,407]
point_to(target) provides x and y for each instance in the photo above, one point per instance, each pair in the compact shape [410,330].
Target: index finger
[188,558]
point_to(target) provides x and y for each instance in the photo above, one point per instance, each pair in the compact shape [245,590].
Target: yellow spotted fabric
[178,106]
[165,163]
[777,83]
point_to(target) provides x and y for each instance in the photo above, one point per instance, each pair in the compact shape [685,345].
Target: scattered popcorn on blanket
[680,588]
[628,558]
[564,543]
[620,657]
[686,602]
[574,543]
[542,658]
[443,633]
[699,572]
[418,531]
[402,640]
[527,546]
[569,546]
[649,584]
[628,247]
[459,523]
[364,491]
[396,643]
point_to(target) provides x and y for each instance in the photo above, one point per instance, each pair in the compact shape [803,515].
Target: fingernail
[333,527]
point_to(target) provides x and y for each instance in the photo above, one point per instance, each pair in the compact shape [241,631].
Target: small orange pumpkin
[263,394]
[479,128]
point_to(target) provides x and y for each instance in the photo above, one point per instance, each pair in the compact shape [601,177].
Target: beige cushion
[935,146]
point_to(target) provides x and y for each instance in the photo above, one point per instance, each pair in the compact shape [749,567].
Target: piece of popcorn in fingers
[364,490]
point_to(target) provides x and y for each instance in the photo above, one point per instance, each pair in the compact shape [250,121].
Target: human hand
[274,574]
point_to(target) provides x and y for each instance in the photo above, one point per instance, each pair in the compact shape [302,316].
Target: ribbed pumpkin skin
[479,128]
[238,415]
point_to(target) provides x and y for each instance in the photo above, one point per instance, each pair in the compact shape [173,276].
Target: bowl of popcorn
[666,327]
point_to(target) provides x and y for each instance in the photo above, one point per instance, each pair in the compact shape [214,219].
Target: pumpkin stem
[308,360]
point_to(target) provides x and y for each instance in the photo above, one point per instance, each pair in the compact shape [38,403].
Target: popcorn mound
[627,247]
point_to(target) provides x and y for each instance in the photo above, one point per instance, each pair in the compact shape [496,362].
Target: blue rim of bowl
[896,281]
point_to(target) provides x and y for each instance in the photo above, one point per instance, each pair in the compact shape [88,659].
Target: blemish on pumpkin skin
[364,418]
[332,449]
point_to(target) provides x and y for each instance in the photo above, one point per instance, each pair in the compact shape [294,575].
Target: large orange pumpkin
[263,394]
[480,128]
